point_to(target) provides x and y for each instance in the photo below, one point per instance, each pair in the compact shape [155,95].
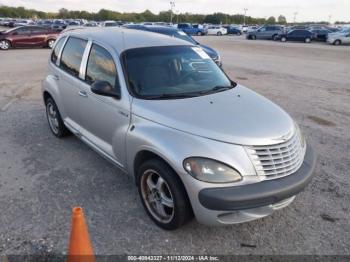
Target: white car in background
[217,30]
[338,38]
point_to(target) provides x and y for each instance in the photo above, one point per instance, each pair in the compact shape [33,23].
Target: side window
[57,49]
[23,31]
[72,55]
[100,66]
[38,30]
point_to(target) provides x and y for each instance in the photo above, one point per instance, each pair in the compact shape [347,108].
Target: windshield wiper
[169,96]
[216,89]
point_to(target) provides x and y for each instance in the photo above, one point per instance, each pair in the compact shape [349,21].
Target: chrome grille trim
[279,160]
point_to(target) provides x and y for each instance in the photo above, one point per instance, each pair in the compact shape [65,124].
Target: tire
[307,40]
[337,42]
[219,33]
[238,33]
[158,183]
[56,124]
[283,39]
[199,34]
[5,45]
[274,37]
[253,37]
[50,43]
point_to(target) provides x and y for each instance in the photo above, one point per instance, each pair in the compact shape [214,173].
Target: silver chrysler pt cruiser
[161,110]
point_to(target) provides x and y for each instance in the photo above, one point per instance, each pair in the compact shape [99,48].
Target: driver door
[105,120]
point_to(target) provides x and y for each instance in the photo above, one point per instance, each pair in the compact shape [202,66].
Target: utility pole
[172,5]
[295,17]
[245,13]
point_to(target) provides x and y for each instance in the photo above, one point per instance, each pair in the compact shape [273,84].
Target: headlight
[300,135]
[211,171]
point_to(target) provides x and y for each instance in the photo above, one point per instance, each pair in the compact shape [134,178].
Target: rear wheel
[253,37]
[56,124]
[163,195]
[50,43]
[275,37]
[219,33]
[283,39]
[199,33]
[337,42]
[307,40]
[5,45]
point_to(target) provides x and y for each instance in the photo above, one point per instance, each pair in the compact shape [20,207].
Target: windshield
[173,72]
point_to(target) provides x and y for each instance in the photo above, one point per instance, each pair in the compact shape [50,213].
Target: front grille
[277,160]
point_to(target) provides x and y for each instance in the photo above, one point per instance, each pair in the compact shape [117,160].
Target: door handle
[83,93]
[56,77]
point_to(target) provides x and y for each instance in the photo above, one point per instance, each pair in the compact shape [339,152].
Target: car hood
[238,116]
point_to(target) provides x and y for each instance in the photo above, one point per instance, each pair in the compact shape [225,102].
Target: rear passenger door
[105,120]
[70,77]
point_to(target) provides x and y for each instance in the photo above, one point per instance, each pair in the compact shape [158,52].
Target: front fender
[174,146]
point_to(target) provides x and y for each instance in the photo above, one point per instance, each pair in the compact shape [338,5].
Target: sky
[307,10]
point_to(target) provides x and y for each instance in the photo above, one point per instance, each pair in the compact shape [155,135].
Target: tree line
[163,16]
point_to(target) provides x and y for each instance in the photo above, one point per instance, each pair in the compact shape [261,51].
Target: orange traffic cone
[80,248]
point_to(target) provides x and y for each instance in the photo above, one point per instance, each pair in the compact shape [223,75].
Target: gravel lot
[42,178]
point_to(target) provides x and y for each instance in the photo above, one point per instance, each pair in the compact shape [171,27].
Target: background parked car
[232,30]
[109,23]
[27,36]
[338,38]
[321,34]
[266,32]
[217,30]
[190,30]
[300,35]
[174,32]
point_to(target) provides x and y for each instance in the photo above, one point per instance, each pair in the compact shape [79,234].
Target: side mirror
[104,88]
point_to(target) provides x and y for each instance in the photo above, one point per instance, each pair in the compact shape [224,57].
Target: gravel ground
[42,178]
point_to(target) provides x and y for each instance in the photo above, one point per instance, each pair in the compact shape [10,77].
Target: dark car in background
[299,35]
[171,31]
[266,32]
[232,30]
[27,36]
[321,34]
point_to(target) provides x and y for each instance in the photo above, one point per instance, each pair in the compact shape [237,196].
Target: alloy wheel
[157,196]
[4,45]
[51,43]
[52,116]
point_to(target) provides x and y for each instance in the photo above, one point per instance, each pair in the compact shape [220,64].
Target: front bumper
[229,205]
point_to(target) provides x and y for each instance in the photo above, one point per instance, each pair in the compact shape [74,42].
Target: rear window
[72,55]
[56,50]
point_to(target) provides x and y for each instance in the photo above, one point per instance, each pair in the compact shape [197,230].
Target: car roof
[121,39]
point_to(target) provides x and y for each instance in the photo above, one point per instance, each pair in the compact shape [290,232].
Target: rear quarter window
[72,55]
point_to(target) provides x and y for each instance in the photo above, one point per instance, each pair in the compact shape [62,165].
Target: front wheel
[283,39]
[219,33]
[5,45]
[163,195]
[253,37]
[199,33]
